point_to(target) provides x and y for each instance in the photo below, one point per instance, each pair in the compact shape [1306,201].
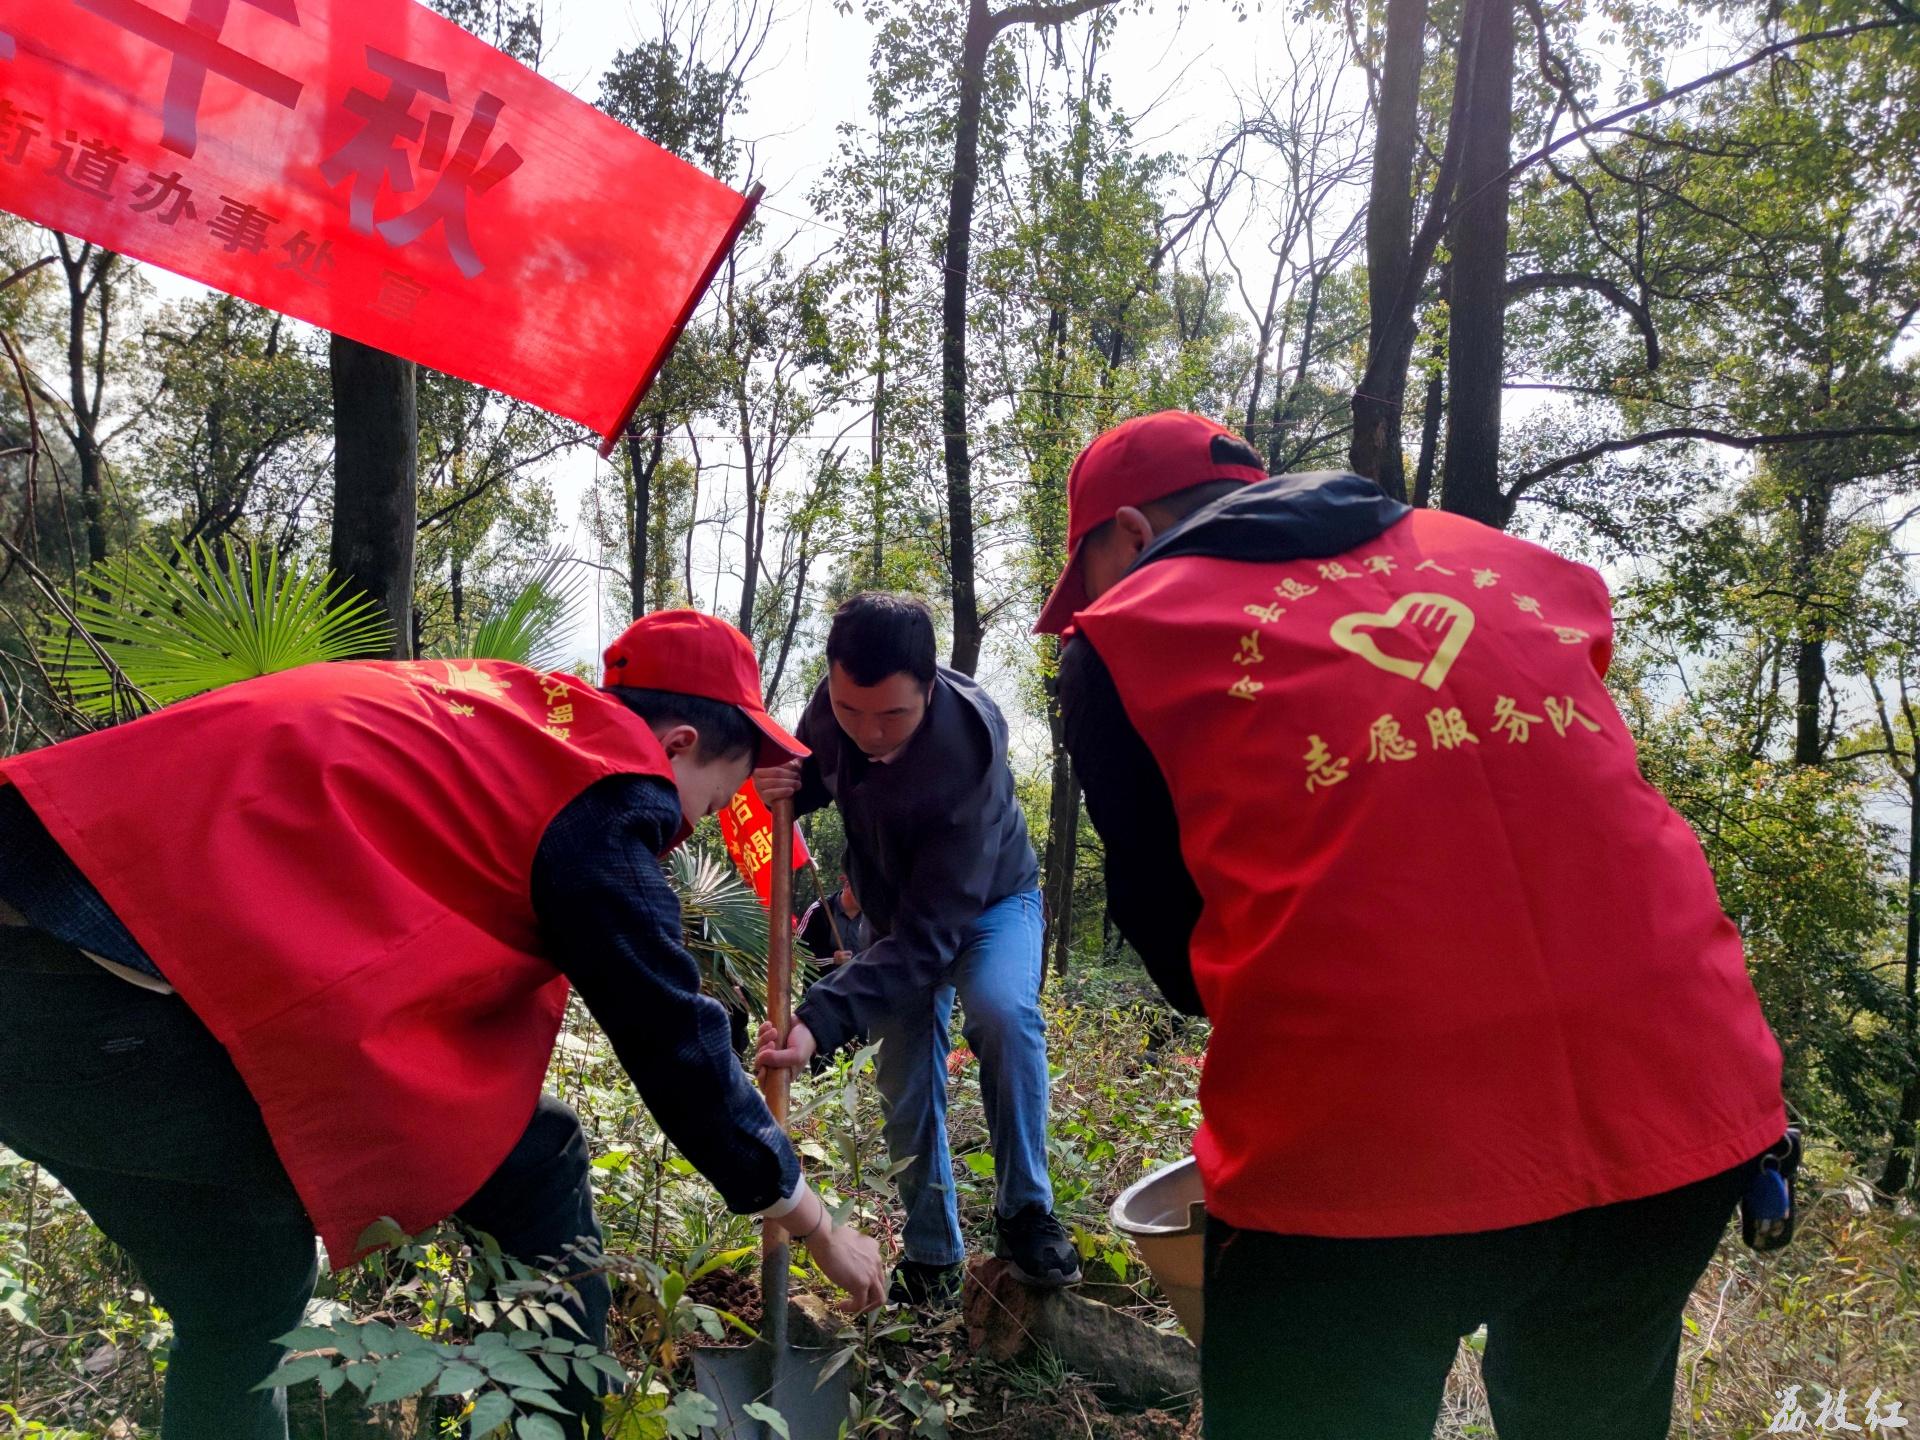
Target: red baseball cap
[1136,462]
[695,654]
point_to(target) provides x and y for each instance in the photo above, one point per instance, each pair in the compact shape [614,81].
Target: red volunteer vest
[331,866]
[1467,969]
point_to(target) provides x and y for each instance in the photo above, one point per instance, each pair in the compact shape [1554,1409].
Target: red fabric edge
[748,204]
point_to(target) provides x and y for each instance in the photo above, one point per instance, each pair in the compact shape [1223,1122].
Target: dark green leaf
[292,1372]
[459,1379]
[510,1367]
[490,1412]
[402,1376]
[769,1417]
[539,1401]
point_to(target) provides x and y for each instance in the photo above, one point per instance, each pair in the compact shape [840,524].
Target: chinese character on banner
[241,226]
[166,195]
[310,260]
[374,154]
[89,165]
[197,52]
[371,169]
[746,828]
[17,130]
[398,295]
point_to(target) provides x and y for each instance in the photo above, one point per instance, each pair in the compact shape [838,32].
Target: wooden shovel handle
[780,952]
[775,1083]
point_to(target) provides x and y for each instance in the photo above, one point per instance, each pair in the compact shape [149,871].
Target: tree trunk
[1898,1175]
[967,630]
[376,436]
[877,435]
[639,504]
[81,369]
[1477,312]
[1810,650]
[1375,448]
[1429,439]
[1262,338]
[750,566]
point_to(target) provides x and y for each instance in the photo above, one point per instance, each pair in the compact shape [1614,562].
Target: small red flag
[746,826]
[372,168]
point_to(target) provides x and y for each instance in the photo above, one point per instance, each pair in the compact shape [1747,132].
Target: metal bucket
[1165,1216]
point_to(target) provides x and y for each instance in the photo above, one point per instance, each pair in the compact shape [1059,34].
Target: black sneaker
[1037,1247]
[925,1287]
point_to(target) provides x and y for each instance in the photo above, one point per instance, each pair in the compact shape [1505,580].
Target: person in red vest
[1484,1049]
[291,957]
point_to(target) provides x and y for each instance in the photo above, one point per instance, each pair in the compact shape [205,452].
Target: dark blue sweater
[933,839]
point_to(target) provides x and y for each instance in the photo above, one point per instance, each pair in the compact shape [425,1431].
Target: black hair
[877,634]
[1171,509]
[1183,503]
[725,731]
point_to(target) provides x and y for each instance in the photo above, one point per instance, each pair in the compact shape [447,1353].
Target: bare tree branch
[1533,477]
[1032,14]
[1570,280]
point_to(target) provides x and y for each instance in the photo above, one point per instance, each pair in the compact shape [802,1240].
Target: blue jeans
[997,977]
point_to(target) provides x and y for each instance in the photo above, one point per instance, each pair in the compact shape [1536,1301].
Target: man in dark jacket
[915,755]
[830,929]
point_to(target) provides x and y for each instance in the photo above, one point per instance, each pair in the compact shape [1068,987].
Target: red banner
[746,826]
[372,168]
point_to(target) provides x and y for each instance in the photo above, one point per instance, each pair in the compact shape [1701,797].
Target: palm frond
[725,923]
[205,620]
[535,626]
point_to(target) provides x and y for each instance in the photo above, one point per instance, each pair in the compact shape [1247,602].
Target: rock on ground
[1128,1362]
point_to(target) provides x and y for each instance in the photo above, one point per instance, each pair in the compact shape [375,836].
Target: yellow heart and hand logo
[1443,614]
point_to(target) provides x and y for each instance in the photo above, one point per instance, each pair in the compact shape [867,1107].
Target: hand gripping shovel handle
[775,1083]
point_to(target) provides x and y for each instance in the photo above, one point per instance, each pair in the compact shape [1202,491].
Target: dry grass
[1841,1308]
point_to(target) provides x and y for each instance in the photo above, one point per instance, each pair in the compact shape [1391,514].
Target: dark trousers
[1317,1339]
[123,1096]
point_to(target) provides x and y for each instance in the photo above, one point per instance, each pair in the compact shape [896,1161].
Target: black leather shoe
[1037,1247]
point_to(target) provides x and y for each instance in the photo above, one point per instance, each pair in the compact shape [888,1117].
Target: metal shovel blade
[770,1372]
[784,1378]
